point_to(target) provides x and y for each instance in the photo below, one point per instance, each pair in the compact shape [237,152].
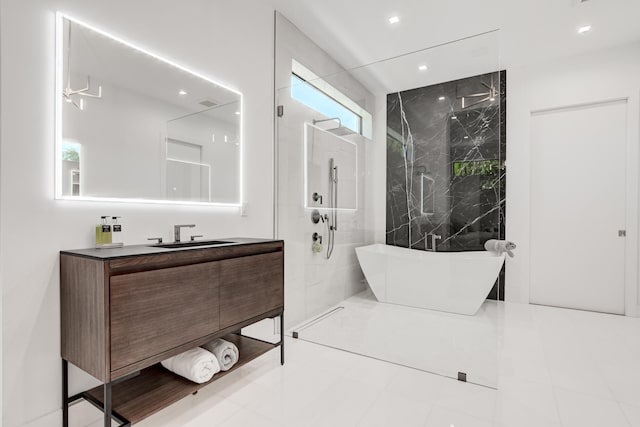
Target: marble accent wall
[446,165]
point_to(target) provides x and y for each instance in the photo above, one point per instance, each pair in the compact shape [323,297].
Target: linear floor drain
[296,333]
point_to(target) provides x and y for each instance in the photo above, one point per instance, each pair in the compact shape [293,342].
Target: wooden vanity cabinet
[123,311]
[247,286]
[158,310]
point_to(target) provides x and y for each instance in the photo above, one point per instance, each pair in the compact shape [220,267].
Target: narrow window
[311,96]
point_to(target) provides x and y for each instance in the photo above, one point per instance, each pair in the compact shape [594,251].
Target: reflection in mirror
[134,126]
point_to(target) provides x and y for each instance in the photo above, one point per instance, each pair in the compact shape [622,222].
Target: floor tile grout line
[536,322]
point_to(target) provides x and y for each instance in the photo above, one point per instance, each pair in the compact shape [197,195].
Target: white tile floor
[557,368]
[432,341]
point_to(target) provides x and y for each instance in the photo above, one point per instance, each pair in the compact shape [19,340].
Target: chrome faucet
[434,238]
[176,230]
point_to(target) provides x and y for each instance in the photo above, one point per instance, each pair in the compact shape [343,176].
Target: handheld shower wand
[333,191]
[332,224]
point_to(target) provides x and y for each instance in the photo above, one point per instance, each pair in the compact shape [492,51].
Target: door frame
[632,196]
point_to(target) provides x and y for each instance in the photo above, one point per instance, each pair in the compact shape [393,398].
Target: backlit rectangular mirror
[133,126]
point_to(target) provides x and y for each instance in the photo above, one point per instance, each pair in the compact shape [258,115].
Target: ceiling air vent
[208,103]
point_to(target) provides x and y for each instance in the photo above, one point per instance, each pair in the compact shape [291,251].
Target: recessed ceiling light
[394,20]
[182,92]
[584,29]
[492,99]
[422,68]
[442,98]
[237,113]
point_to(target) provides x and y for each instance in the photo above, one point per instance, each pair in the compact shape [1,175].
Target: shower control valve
[316,238]
[315,216]
[317,197]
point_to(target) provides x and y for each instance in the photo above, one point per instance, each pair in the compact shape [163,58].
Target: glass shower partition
[416,155]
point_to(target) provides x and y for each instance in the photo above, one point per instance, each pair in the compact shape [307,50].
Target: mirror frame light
[59,87]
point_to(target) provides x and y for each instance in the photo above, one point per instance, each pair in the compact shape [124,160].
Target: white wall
[320,147]
[569,81]
[214,37]
[376,173]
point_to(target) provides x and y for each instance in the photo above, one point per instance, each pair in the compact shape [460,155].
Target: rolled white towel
[197,365]
[500,246]
[226,352]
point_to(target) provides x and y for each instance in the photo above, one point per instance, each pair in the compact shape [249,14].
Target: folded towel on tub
[500,246]
[226,352]
[197,365]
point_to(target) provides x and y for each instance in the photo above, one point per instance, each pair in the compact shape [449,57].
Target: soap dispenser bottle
[103,232]
[116,231]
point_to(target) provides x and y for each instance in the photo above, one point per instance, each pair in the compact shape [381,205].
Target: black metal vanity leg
[107,405]
[65,393]
[282,339]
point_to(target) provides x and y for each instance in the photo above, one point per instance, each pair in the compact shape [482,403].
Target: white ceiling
[357,32]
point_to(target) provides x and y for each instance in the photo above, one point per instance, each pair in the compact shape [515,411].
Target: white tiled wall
[321,146]
[314,283]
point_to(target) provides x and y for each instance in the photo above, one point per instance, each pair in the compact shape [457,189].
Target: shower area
[408,152]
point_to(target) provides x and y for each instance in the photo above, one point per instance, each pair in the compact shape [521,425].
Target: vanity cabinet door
[250,286]
[155,311]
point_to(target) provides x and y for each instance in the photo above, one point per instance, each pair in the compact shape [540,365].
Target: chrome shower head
[338,131]
[341,131]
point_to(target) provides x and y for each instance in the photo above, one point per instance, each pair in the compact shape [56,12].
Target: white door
[578,207]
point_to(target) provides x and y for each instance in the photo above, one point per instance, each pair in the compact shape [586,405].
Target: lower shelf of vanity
[155,388]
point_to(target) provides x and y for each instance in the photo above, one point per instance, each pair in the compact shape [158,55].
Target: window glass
[313,97]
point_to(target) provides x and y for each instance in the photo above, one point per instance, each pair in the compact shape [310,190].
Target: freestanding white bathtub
[456,282]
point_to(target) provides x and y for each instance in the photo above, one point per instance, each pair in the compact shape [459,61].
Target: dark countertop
[150,249]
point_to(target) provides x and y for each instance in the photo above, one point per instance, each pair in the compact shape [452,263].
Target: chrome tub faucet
[433,239]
